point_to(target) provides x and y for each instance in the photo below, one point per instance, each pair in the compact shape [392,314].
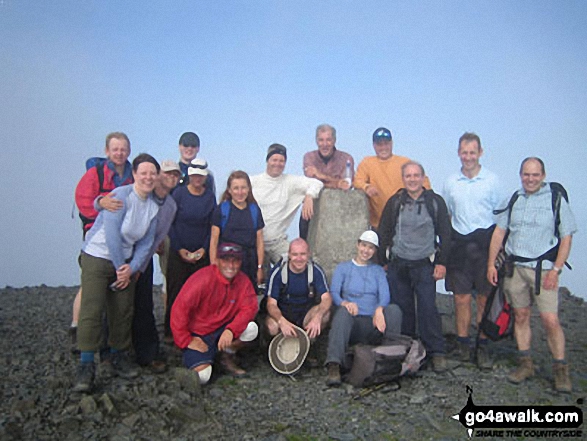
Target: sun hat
[371,237]
[169,165]
[198,166]
[287,354]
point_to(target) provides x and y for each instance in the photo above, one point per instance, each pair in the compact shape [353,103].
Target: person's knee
[250,333]
[393,316]
[205,373]
[462,299]
[550,322]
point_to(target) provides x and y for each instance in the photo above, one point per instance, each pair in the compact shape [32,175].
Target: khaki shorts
[519,290]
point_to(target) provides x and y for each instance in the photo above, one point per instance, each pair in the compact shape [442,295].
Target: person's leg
[178,272]
[393,320]
[429,322]
[463,314]
[339,336]
[403,296]
[145,338]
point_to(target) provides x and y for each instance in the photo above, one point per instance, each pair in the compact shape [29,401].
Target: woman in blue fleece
[360,291]
[116,247]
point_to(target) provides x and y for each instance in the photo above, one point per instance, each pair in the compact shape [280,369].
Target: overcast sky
[245,74]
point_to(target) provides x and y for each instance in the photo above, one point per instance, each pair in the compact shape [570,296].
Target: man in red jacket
[214,311]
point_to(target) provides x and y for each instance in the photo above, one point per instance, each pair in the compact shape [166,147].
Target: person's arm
[143,247]
[247,306]
[214,236]
[314,327]
[186,301]
[386,226]
[444,235]
[564,249]
[88,188]
[112,225]
[494,247]
[285,326]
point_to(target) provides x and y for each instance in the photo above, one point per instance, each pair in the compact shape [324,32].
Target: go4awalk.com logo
[520,421]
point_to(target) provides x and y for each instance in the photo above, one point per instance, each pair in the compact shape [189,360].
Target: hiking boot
[228,362]
[73,340]
[562,380]
[463,352]
[333,378]
[122,365]
[484,361]
[158,366]
[439,363]
[524,370]
[84,377]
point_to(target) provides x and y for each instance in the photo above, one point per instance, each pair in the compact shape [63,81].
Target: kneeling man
[214,311]
[298,294]
[363,315]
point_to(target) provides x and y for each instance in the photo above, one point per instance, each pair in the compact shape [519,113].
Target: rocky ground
[37,370]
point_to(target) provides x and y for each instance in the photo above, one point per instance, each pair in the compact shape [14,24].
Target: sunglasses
[230,249]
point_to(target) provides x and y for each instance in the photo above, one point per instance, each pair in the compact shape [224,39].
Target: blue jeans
[413,288]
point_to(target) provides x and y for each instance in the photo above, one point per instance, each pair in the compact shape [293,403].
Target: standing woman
[116,247]
[190,232]
[238,219]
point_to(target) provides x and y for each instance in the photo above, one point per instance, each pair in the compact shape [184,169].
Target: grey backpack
[396,357]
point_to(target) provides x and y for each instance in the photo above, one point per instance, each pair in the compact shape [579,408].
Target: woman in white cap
[364,314]
[190,232]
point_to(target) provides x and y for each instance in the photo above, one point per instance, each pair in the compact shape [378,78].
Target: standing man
[327,164]
[213,312]
[189,147]
[411,222]
[471,196]
[279,195]
[297,294]
[380,176]
[541,229]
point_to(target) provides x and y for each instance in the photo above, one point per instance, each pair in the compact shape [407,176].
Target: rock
[108,405]
[339,219]
[88,405]
[188,380]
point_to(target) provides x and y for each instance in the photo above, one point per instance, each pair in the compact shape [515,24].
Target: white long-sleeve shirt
[279,199]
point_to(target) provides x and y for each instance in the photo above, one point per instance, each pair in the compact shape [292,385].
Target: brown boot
[524,370]
[562,380]
[228,362]
[333,378]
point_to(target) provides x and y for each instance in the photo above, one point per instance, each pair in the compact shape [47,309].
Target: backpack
[558,192]
[225,212]
[497,321]
[374,365]
[99,164]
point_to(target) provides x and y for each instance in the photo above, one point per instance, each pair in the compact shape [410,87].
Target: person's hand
[161,248]
[314,327]
[110,204]
[308,208]
[379,320]
[187,256]
[551,280]
[351,307]
[372,191]
[286,327]
[225,340]
[123,275]
[311,171]
[197,344]
[492,275]
[343,184]
[439,272]
[199,254]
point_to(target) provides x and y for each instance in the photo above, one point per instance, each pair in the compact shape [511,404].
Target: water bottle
[348,173]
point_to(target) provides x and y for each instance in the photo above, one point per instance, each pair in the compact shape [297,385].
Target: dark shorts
[193,358]
[471,276]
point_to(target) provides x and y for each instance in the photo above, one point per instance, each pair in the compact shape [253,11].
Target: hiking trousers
[145,339]
[413,288]
[347,330]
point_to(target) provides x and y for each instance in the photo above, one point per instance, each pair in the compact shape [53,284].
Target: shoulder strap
[100,171]
[557,191]
[224,212]
[431,207]
[254,209]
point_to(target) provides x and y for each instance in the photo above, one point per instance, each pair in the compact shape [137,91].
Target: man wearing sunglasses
[215,311]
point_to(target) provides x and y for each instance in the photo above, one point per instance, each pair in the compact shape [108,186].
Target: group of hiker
[214,256]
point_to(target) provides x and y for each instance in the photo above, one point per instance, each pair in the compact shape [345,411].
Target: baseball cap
[169,165]
[189,139]
[198,166]
[276,149]
[229,249]
[371,237]
[381,134]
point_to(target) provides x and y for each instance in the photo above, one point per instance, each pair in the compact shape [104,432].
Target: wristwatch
[557,269]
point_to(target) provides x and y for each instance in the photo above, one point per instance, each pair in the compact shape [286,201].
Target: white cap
[371,237]
[170,165]
[198,166]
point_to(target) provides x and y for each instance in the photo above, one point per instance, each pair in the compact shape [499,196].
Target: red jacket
[207,301]
[88,189]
